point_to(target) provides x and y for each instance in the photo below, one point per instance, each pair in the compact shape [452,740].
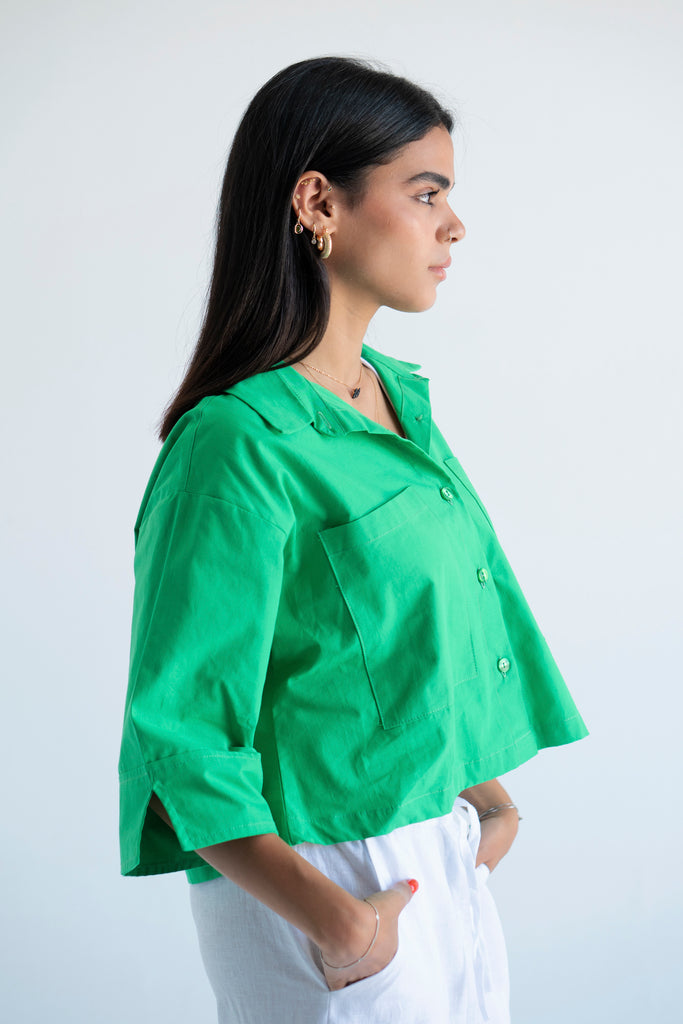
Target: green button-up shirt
[328,641]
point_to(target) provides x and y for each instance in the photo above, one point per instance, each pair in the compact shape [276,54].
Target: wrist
[347,933]
[347,963]
[501,824]
[499,810]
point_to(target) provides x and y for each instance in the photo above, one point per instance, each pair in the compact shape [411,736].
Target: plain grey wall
[554,351]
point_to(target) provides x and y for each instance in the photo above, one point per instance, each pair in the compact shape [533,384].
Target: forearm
[270,870]
[485,795]
[274,873]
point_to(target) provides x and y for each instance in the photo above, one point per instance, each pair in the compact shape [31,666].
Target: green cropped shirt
[328,641]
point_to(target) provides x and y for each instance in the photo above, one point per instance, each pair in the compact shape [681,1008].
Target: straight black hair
[269,299]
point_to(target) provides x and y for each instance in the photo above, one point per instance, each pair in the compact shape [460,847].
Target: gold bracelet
[374,939]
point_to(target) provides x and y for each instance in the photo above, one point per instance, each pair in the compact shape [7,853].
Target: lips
[442,266]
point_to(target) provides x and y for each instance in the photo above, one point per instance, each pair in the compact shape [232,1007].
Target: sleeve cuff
[210,797]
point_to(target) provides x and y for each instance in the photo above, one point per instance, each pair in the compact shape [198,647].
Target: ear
[312,197]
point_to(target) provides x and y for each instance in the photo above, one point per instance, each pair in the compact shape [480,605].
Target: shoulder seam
[233,504]
[224,501]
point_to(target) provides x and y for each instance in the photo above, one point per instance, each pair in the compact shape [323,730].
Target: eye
[425,197]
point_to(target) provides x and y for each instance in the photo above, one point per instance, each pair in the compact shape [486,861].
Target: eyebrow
[433,177]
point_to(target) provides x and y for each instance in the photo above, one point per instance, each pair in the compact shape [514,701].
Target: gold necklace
[355,392]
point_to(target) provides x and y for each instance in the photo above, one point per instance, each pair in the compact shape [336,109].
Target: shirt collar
[289,401]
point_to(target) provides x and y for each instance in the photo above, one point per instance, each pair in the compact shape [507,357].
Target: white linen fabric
[451,965]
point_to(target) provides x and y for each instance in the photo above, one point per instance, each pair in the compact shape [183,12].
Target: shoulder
[220,424]
[220,449]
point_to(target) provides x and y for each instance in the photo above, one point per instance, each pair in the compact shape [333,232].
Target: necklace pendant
[355,393]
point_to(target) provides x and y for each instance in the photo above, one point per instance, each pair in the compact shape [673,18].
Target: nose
[456,229]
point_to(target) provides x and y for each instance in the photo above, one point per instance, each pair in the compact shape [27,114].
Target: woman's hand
[389,904]
[340,925]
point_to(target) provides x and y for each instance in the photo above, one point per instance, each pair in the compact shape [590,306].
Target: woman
[331,658]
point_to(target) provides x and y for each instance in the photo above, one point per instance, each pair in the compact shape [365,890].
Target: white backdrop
[554,351]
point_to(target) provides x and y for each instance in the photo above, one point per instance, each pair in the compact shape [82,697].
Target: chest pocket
[399,569]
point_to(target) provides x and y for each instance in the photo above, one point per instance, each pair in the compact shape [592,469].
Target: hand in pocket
[389,905]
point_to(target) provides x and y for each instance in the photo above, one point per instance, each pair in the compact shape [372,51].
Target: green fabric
[321,614]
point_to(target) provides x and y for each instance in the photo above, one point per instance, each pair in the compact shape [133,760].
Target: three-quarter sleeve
[208,577]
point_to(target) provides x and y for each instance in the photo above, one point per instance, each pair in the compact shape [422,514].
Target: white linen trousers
[451,964]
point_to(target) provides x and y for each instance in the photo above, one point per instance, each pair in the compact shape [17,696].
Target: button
[446,493]
[503,666]
[482,576]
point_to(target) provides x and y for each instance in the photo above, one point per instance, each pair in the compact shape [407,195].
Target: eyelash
[434,192]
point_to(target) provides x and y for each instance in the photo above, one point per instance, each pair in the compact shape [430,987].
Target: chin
[414,303]
[422,307]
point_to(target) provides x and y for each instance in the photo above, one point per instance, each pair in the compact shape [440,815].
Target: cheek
[398,244]
[388,249]
[395,229]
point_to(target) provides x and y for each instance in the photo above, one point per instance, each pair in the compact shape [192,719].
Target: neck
[339,352]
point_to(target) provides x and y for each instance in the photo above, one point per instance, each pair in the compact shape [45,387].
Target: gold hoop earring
[327,245]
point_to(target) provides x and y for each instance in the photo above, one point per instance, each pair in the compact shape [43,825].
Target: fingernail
[414,885]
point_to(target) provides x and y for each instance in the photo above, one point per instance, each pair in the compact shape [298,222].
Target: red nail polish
[414,885]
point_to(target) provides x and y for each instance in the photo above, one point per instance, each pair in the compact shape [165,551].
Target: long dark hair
[269,298]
